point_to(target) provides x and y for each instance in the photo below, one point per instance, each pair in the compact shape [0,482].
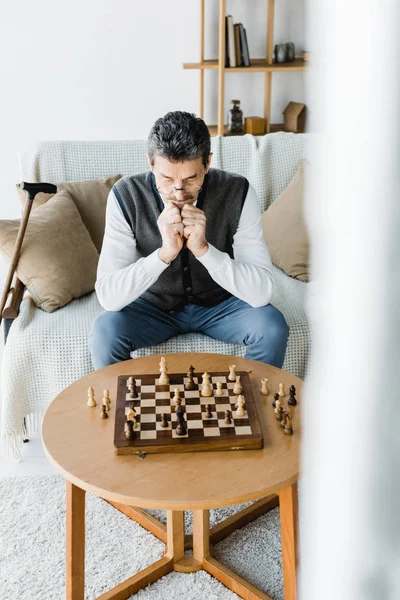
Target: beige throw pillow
[90,198]
[284,229]
[58,260]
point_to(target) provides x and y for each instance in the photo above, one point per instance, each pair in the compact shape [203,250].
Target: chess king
[183,252]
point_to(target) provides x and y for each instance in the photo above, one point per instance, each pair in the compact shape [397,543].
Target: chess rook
[264,386]
[232,374]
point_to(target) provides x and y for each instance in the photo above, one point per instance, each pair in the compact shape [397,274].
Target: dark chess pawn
[190,384]
[181,428]
[133,393]
[164,420]
[292,396]
[276,397]
[208,411]
[228,417]
[103,414]
[129,433]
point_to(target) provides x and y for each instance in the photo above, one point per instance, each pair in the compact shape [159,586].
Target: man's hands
[177,224]
[171,229]
[194,229]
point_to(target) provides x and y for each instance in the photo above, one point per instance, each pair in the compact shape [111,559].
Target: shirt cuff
[213,259]
[153,265]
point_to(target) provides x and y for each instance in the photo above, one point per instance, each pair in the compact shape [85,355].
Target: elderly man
[183,252]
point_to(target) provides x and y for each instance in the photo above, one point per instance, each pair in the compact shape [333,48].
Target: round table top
[81,445]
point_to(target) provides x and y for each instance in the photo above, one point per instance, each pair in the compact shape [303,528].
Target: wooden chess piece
[276,397]
[208,411]
[292,396]
[279,413]
[264,386]
[91,401]
[277,405]
[164,420]
[133,393]
[206,389]
[237,388]
[103,414]
[282,390]
[219,391]
[190,384]
[181,428]
[176,396]
[164,379]
[178,402]
[240,412]
[228,417]
[288,425]
[129,433]
[283,422]
[232,374]
[107,399]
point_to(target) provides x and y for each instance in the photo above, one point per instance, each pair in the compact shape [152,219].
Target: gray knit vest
[186,280]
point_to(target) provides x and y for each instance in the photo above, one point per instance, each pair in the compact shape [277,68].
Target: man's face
[179,182]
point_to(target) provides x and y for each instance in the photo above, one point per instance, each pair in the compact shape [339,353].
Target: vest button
[188,289]
[171,312]
[190,298]
[185,269]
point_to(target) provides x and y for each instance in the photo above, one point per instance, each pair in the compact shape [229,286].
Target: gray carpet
[32,548]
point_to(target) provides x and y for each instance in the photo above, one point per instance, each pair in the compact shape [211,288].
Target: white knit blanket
[45,352]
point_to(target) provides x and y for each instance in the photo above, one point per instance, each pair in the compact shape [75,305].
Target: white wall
[106,69]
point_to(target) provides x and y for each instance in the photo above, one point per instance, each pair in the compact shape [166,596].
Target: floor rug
[32,548]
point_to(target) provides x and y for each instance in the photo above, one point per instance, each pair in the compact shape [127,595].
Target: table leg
[75,542]
[288,502]
[201,553]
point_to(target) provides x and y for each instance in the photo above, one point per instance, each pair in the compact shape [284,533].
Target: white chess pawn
[91,401]
[232,374]
[277,406]
[239,407]
[176,395]
[264,386]
[281,390]
[219,391]
[206,389]
[237,388]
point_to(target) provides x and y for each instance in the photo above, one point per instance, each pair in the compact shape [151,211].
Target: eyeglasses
[188,189]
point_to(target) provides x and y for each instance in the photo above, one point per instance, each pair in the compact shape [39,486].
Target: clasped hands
[179,224]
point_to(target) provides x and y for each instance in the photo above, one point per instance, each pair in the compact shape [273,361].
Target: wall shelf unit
[258,65]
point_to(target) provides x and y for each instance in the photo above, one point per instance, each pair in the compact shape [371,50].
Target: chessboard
[203,433]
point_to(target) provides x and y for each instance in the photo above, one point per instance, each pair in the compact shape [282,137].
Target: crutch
[31,190]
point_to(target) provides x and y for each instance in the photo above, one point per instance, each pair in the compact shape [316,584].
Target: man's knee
[106,340]
[268,323]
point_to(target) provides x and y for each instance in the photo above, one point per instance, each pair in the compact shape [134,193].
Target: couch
[45,352]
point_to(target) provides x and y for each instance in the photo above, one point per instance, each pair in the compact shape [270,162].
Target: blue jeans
[115,334]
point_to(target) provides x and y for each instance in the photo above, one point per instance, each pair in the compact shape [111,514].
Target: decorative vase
[235,118]
[290,51]
[280,53]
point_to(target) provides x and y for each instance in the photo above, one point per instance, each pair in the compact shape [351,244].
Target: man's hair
[179,136]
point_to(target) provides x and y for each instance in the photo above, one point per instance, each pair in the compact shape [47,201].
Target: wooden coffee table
[80,445]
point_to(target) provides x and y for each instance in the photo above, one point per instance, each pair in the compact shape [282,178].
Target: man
[183,252]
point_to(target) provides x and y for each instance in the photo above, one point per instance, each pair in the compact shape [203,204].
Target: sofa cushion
[58,260]
[90,198]
[284,229]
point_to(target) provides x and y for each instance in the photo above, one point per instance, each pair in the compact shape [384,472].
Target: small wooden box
[254,125]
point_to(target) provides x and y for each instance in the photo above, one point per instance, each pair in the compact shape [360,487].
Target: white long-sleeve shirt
[123,275]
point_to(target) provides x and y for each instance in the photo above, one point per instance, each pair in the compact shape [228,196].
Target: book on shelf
[231,41]
[244,47]
[237,45]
